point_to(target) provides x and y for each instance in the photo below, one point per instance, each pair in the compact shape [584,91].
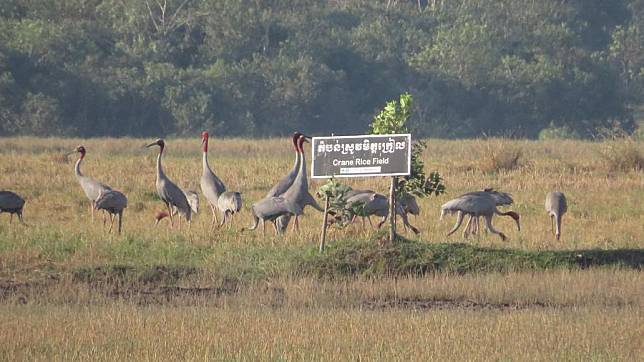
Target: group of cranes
[286,199]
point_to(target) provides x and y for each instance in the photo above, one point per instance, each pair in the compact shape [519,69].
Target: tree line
[267,67]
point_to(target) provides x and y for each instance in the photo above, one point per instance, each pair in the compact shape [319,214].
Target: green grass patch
[346,259]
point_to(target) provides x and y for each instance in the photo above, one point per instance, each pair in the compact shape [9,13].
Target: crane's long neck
[77,169]
[557,224]
[160,173]
[206,166]
[296,164]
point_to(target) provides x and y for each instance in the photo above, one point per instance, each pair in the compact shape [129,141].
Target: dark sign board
[360,156]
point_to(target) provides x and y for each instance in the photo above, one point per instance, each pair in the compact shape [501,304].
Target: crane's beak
[518,224]
[70,153]
[151,144]
[307,138]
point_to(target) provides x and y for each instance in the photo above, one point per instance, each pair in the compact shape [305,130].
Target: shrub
[622,155]
[553,132]
[499,155]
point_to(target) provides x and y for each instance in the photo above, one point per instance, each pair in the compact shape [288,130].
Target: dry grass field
[56,304]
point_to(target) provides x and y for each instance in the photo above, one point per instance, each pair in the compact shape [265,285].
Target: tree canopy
[267,67]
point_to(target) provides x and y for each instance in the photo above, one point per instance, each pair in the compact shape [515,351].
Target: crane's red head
[204,140]
[295,138]
[300,142]
[159,142]
[516,218]
[80,149]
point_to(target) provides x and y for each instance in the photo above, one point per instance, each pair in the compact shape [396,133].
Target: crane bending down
[227,203]
[556,206]
[476,205]
[113,202]
[12,203]
[374,204]
[500,199]
[92,187]
[291,202]
[169,192]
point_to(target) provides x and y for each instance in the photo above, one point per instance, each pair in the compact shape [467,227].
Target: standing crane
[299,190]
[12,203]
[475,205]
[556,206]
[113,202]
[291,202]
[283,185]
[227,203]
[92,187]
[168,191]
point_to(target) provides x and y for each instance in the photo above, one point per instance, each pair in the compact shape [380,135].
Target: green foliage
[128,67]
[393,119]
[552,132]
[336,192]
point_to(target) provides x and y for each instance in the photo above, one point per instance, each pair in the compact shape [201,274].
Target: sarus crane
[11,203]
[169,192]
[92,187]
[475,205]
[226,203]
[556,206]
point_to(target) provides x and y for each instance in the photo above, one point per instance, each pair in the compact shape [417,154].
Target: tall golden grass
[605,206]
[558,315]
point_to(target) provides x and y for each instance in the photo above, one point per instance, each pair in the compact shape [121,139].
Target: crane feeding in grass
[113,202]
[369,203]
[500,199]
[556,206]
[11,203]
[476,205]
[286,182]
[169,192]
[226,203]
[91,187]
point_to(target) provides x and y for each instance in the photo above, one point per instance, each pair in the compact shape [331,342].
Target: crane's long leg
[111,223]
[120,221]
[263,227]
[406,223]
[91,209]
[370,222]
[296,223]
[468,227]
[488,225]
[10,218]
[552,224]
[224,216]
[382,222]
[170,214]
[459,221]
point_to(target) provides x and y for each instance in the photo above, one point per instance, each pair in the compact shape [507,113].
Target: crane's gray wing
[111,200]
[270,208]
[230,201]
[10,201]
[193,200]
[211,186]
[172,194]
[92,187]
[409,204]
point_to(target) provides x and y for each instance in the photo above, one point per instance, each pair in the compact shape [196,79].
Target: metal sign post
[363,156]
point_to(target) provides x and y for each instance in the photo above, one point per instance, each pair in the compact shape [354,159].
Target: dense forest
[266,67]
